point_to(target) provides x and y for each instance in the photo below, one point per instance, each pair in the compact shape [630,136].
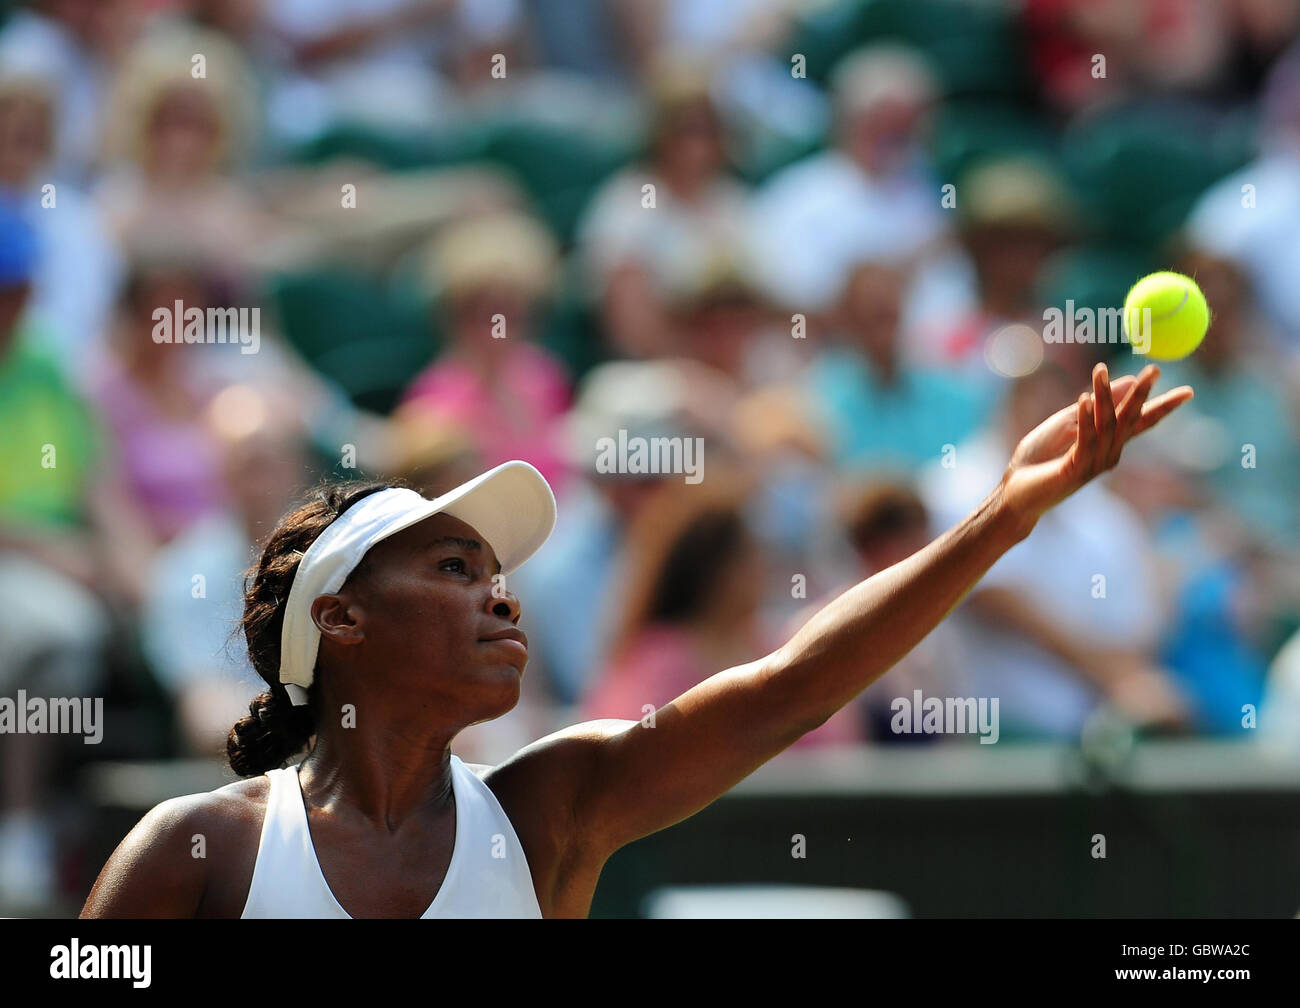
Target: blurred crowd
[819,236]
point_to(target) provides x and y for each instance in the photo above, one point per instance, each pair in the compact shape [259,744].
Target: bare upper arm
[164,866]
[603,784]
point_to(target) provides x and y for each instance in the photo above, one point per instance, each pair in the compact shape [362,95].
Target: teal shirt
[900,427]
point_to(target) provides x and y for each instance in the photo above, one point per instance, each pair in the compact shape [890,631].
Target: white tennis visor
[511,507]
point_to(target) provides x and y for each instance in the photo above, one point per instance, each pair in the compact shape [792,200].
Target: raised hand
[1084,439]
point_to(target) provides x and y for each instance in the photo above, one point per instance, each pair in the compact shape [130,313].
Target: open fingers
[1103,413]
[1121,385]
[1130,410]
[1161,406]
[1085,435]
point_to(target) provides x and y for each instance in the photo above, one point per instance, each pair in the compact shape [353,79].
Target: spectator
[872,194]
[1071,615]
[1253,215]
[571,588]
[431,454]
[721,320]
[492,273]
[389,64]
[880,411]
[173,141]
[76,284]
[886,523]
[1147,45]
[694,577]
[1214,640]
[190,619]
[1014,212]
[751,79]
[151,395]
[67,553]
[656,225]
[74,47]
[1251,403]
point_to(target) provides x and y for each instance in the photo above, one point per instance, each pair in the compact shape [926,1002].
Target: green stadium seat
[1140,170]
[354,332]
[975,48]
[558,167]
[971,130]
[394,151]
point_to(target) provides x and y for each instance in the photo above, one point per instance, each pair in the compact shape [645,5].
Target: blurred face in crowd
[690,148]
[25,136]
[237,18]
[1225,289]
[473,312]
[627,493]
[885,551]
[263,471]
[872,309]
[884,137]
[102,24]
[184,135]
[720,334]
[136,344]
[263,448]
[1008,260]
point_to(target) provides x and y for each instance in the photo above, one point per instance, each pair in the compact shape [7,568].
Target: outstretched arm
[638,779]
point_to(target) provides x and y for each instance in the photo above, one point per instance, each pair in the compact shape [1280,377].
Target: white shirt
[1263,235]
[488,875]
[1090,534]
[675,241]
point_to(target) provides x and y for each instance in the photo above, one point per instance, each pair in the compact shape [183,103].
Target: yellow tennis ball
[1177,320]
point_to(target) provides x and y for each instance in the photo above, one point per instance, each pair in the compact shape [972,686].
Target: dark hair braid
[274,729]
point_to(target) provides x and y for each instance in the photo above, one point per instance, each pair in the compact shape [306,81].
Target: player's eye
[455,564]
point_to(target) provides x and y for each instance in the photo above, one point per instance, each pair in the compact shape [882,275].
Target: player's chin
[502,681]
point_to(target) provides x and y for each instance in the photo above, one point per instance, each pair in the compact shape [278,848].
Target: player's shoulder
[566,743]
[556,767]
[187,856]
[241,803]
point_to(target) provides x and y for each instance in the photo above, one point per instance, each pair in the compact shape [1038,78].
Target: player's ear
[336,620]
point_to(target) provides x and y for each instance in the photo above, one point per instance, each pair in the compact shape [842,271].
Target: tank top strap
[287,880]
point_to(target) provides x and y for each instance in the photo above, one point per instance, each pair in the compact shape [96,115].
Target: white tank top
[488,875]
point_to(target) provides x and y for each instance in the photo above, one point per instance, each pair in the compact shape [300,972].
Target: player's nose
[502,602]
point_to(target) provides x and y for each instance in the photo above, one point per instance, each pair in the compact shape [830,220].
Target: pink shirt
[170,465]
[517,415]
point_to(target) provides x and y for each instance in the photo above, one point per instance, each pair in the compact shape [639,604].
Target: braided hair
[274,729]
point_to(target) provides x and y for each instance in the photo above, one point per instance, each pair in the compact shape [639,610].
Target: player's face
[432,614]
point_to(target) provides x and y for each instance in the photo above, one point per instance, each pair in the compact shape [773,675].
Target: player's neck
[386,775]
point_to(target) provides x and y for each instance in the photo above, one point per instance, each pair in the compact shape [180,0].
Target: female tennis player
[377,621]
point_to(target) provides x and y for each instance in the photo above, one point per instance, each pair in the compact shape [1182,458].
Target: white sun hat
[511,507]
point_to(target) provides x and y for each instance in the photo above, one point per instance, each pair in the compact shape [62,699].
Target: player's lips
[510,635]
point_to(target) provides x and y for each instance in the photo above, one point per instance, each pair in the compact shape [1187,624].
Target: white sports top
[488,875]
